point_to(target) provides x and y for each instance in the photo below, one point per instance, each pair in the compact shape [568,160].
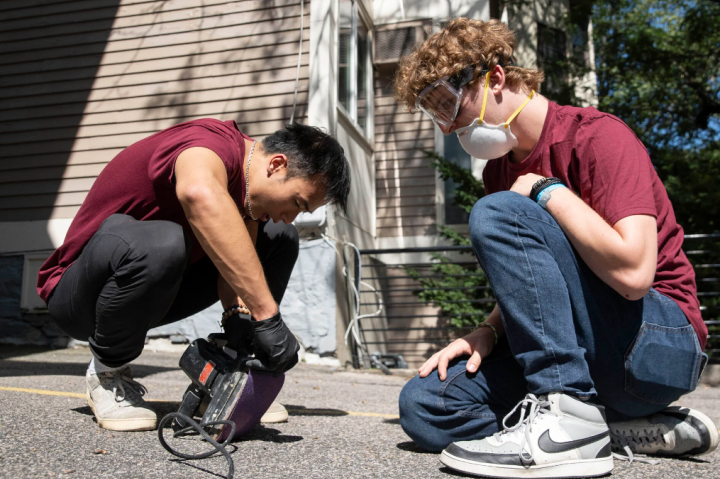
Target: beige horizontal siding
[55,159]
[18,41]
[427,191]
[405,201]
[133,16]
[409,163]
[404,178]
[81,80]
[397,230]
[81,45]
[57,6]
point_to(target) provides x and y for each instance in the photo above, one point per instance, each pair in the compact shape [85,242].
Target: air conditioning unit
[316,219]
[393,41]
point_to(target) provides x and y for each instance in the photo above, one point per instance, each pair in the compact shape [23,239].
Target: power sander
[223,389]
[229,397]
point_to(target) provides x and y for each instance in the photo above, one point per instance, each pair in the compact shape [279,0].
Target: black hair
[310,152]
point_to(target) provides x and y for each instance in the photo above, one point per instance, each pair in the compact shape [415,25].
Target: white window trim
[358,12]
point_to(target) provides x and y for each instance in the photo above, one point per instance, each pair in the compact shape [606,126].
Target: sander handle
[191,402]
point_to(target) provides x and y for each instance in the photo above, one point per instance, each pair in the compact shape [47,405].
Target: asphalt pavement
[343,424]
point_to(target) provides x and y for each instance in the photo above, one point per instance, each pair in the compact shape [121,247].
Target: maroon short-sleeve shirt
[139,182]
[601,160]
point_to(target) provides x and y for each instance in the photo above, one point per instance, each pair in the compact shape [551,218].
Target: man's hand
[524,184]
[276,349]
[477,345]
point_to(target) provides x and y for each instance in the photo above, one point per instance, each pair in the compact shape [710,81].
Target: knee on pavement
[412,401]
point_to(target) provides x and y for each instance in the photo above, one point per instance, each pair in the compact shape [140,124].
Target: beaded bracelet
[491,327]
[235,309]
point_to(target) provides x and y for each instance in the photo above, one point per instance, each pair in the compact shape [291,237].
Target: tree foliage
[658,69]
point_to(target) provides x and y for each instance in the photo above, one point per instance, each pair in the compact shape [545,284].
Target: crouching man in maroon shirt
[597,327]
[192,214]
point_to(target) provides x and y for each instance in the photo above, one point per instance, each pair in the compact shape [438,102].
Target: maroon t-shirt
[600,159]
[139,182]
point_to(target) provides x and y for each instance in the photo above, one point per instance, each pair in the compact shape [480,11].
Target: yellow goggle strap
[482,112]
[512,117]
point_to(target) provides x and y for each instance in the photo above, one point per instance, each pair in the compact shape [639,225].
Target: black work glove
[239,332]
[275,347]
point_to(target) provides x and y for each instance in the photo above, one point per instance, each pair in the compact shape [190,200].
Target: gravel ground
[342,424]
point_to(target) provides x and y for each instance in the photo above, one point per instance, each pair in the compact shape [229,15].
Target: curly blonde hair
[462,43]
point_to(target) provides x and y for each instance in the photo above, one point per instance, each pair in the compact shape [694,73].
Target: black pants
[135,275]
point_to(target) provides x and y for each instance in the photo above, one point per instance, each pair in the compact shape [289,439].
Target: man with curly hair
[597,327]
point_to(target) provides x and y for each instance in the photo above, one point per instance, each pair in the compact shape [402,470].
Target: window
[551,57]
[354,64]
[453,151]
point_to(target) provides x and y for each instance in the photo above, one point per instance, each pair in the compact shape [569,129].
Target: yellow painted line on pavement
[298,411]
[44,392]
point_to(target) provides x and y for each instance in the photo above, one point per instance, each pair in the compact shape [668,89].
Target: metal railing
[414,326]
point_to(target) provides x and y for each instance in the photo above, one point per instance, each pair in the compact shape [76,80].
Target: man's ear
[497,80]
[277,163]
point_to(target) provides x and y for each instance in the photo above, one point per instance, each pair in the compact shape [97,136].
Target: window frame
[358,14]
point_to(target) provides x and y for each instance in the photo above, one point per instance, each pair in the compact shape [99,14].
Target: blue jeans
[566,331]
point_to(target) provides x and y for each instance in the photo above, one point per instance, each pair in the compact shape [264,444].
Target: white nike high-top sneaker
[557,436]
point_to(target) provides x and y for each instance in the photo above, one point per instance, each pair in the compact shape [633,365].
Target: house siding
[405,180]
[83,80]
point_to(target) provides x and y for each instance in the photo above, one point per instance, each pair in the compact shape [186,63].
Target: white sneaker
[675,431]
[557,436]
[117,401]
[275,413]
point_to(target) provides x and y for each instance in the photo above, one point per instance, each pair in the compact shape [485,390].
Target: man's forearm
[623,263]
[228,296]
[221,232]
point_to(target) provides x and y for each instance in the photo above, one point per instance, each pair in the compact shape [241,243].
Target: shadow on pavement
[392,421]
[185,462]
[45,368]
[10,351]
[266,434]
[260,433]
[303,411]
[410,446]
[694,460]
[453,472]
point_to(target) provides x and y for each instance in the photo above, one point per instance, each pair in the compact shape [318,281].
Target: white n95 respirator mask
[488,142]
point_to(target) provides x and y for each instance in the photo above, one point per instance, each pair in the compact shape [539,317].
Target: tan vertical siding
[83,79]
[404,178]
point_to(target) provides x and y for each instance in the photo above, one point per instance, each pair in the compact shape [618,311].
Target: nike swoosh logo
[551,447]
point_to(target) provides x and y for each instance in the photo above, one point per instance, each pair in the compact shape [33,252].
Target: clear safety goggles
[441,100]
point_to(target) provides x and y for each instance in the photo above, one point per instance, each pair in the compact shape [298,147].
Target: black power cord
[219,447]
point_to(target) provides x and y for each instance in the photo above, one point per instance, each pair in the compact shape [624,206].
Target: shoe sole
[708,423]
[565,469]
[274,417]
[122,424]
